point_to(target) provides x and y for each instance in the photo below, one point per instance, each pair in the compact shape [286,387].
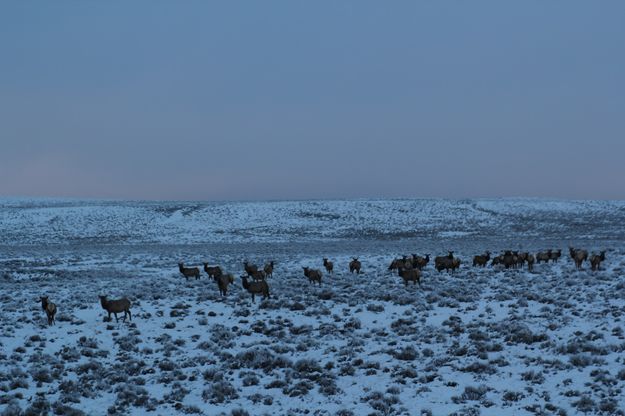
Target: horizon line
[368,198]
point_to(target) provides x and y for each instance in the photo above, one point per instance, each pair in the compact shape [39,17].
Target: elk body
[250,269]
[555,255]
[596,259]
[410,275]
[578,256]
[419,262]
[189,271]
[403,263]
[544,256]
[509,260]
[117,306]
[268,269]
[328,265]
[481,259]
[530,262]
[355,265]
[258,275]
[256,288]
[448,262]
[212,271]
[49,308]
[223,280]
[313,275]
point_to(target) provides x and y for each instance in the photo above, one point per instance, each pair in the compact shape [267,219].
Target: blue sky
[265,100]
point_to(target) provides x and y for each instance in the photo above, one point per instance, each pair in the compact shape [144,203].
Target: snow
[493,341]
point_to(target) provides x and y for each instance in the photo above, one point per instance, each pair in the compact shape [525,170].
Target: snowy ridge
[27,222]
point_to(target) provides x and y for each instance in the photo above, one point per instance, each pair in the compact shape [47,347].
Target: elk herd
[409,268]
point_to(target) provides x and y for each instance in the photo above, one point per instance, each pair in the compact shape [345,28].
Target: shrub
[407,354]
[474,393]
[512,396]
[533,377]
[479,368]
[219,392]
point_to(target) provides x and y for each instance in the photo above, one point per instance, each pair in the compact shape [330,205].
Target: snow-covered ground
[478,341]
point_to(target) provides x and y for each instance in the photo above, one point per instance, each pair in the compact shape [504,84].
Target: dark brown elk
[521,258]
[256,288]
[444,262]
[223,280]
[544,256]
[596,259]
[328,265]
[258,275]
[509,260]
[268,269]
[313,275]
[555,255]
[579,256]
[397,263]
[448,264]
[355,265]
[212,271]
[250,269]
[497,260]
[189,271]
[482,259]
[116,306]
[419,262]
[530,262]
[410,275]
[455,264]
[49,308]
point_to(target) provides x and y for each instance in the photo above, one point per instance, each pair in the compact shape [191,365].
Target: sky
[220,100]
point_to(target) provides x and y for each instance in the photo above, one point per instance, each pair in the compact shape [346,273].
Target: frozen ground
[486,341]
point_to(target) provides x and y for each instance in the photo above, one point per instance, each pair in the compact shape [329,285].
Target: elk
[544,256]
[223,280]
[258,275]
[355,265]
[437,259]
[455,264]
[189,271]
[579,256]
[419,262]
[509,259]
[444,262]
[596,259]
[268,269]
[555,255]
[521,258]
[49,308]
[250,269]
[117,306]
[410,275]
[212,271]
[530,262]
[313,275]
[448,264]
[482,259]
[328,265]
[256,288]
[397,263]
